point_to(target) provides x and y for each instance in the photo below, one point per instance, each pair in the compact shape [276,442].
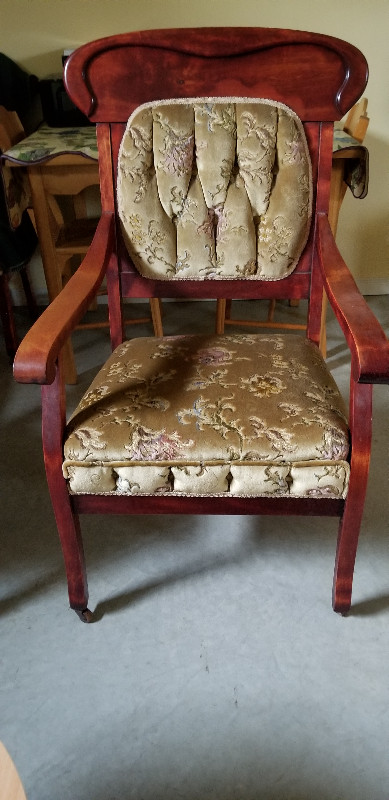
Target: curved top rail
[319,76]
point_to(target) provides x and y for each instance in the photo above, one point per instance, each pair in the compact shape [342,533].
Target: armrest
[366,339]
[36,357]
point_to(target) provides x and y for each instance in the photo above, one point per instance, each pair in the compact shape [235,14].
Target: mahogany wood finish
[320,78]
[199,62]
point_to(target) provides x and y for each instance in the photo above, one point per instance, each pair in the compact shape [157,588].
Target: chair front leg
[53,426]
[361,431]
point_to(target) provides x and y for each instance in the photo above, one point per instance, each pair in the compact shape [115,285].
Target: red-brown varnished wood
[293,287]
[170,504]
[361,430]
[323,182]
[319,77]
[367,341]
[53,426]
[108,138]
[106,168]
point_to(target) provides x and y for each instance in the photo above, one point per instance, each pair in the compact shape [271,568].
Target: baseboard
[372,286]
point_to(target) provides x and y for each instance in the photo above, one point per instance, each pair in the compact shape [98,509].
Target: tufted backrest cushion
[214,188]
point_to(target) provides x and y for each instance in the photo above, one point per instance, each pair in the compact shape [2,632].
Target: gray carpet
[216,668]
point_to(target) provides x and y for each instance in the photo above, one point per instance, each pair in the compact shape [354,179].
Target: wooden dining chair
[215,151]
[357,120]
[18,240]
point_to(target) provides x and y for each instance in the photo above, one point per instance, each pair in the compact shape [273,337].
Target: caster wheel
[85,615]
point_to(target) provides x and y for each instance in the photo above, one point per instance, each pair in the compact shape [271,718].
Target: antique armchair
[215,150]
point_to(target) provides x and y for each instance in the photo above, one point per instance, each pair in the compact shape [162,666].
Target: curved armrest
[36,357]
[366,339]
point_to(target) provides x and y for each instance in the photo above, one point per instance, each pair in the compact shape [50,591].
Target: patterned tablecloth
[43,145]
[356,170]
[47,143]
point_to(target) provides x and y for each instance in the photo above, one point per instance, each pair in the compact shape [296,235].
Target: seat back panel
[216,188]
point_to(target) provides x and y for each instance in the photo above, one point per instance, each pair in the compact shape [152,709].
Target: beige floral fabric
[214,188]
[251,414]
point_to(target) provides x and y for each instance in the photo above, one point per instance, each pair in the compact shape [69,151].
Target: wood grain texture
[170,504]
[360,423]
[322,80]
[53,428]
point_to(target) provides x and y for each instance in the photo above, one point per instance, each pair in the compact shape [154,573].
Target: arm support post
[35,361]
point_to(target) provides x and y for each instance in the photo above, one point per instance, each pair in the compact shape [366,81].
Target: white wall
[35,32]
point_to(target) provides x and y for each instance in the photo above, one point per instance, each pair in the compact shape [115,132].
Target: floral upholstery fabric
[214,188]
[251,414]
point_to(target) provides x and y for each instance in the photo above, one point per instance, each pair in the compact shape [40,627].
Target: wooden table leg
[156,316]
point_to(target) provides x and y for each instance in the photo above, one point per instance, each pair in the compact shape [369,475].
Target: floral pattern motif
[275,426]
[149,445]
[214,189]
[47,142]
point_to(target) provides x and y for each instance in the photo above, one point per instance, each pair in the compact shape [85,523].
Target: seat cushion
[251,414]
[214,188]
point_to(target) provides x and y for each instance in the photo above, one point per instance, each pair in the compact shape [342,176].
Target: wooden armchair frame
[320,78]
